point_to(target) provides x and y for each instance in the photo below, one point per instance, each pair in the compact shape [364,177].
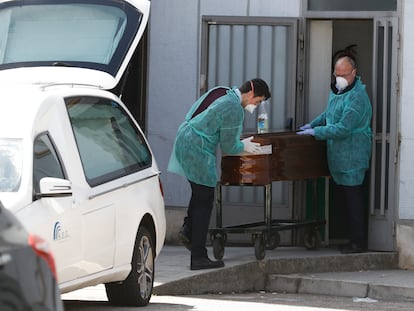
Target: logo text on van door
[59,233]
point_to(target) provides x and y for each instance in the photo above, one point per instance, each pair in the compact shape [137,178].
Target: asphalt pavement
[369,275]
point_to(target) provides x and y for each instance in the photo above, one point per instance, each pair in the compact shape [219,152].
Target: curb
[309,285]
[297,284]
[284,274]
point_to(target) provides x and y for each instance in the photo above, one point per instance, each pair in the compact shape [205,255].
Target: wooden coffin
[293,157]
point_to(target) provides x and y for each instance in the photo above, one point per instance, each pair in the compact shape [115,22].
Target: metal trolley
[265,235]
[260,170]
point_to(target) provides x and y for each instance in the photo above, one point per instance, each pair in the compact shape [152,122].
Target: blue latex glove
[305,127]
[307,132]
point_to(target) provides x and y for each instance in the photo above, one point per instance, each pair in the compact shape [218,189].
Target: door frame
[381,219]
[286,210]
[383,196]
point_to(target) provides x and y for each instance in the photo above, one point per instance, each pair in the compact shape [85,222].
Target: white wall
[320,54]
[405,224]
[173,59]
[174,39]
[406,189]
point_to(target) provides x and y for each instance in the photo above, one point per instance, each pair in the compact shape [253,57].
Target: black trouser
[198,218]
[352,200]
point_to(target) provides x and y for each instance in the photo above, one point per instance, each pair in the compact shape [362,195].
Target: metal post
[268,206]
[219,211]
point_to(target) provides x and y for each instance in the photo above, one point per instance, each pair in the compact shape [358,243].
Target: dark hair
[349,53]
[259,86]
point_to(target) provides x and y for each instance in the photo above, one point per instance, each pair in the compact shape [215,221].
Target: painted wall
[174,38]
[405,224]
[406,210]
[174,83]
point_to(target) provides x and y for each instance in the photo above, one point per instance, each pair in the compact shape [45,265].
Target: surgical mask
[341,83]
[250,108]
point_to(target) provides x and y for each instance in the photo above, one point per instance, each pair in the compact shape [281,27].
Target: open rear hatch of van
[83,42]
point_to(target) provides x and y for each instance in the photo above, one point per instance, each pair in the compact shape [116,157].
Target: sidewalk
[286,269]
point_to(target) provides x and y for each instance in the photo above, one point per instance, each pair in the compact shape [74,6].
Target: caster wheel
[259,247]
[312,239]
[218,247]
[272,240]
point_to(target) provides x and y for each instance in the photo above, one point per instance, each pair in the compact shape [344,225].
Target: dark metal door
[236,49]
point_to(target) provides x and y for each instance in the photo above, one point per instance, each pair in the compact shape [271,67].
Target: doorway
[374,41]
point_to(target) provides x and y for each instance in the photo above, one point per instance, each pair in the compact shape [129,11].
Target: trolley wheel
[312,238]
[272,240]
[259,247]
[218,247]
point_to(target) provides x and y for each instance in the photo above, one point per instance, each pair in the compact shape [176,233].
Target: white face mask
[250,108]
[341,83]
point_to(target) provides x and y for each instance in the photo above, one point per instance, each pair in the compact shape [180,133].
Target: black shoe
[205,263]
[352,248]
[185,238]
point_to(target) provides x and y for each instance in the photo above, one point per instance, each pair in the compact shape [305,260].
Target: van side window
[45,161]
[109,143]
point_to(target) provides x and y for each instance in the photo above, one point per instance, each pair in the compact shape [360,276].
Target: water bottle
[262,118]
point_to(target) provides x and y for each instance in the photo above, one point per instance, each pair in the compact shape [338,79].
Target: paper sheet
[265,149]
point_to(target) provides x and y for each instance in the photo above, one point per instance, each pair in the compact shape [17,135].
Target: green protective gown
[345,125]
[194,151]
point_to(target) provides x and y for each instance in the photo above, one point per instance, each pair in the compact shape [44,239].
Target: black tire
[272,240]
[218,247]
[11,296]
[136,289]
[259,247]
[312,239]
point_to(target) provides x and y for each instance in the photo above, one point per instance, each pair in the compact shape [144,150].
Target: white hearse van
[75,167]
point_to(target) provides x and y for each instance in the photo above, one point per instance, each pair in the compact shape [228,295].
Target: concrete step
[392,284]
[329,262]
[277,273]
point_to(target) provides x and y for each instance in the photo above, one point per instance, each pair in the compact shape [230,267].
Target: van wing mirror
[51,187]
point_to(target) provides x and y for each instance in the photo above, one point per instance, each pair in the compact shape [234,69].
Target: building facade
[196,44]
